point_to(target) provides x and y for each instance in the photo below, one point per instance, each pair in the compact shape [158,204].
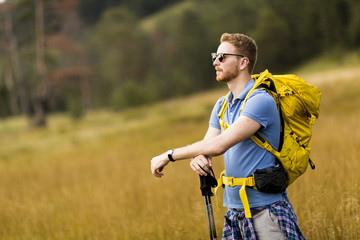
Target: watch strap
[170,153]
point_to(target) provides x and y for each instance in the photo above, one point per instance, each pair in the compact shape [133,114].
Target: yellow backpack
[298,104]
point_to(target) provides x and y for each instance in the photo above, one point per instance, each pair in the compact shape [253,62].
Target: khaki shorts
[267,226]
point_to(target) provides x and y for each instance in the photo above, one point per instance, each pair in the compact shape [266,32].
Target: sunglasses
[221,56]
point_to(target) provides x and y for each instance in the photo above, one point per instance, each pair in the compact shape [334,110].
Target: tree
[70,74]
[192,58]
[43,87]
[272,36]
[354,23]
[120,54]
[17,87]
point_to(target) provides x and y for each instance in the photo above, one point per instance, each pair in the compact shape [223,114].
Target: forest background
[76,55]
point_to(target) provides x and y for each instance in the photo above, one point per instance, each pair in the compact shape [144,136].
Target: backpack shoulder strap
[223,107]
[263,81]
[263,143]
[259,80]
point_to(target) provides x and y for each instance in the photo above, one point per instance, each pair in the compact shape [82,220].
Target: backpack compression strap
[243,182]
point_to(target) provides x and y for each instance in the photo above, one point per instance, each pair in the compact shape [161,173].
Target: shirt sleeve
[260,107]
[214,119]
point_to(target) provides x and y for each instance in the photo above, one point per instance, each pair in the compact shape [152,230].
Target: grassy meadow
[91,179]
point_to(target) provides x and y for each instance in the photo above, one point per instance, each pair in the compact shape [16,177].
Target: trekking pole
[206,183]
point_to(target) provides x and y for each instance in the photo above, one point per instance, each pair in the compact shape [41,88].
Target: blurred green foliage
[121,54]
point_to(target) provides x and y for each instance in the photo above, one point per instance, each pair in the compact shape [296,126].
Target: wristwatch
[170,153]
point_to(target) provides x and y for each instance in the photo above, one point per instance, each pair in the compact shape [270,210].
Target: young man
[272,214]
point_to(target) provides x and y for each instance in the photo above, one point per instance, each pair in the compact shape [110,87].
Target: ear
[243,63]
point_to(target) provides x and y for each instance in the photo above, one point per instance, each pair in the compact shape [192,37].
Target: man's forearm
[208,147]
[216,144]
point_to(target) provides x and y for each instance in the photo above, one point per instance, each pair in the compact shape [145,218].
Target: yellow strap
[231,181]
[312,119]
[223,124]
[245,201]
[266,145]
[220,183]
[223,108]
[224,104]
[243,182]
[258,79]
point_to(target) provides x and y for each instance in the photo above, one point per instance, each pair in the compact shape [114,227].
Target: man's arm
[201,164]
[215,145]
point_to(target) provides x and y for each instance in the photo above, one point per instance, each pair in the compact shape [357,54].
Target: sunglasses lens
[221,57]
[213,57]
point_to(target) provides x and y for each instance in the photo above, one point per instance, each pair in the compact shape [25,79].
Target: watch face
[170,152]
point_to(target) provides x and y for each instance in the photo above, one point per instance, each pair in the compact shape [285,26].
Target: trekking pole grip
[207,182]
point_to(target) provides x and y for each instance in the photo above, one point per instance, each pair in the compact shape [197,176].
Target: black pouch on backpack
[271,179]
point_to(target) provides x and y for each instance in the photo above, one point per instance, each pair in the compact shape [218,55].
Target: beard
[227,76]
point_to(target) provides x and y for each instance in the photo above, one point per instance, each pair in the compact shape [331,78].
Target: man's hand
[158,163]
[201,164]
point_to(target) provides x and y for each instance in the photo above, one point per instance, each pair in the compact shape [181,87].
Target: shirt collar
[243,93]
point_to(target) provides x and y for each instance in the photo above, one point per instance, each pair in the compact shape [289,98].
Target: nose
[216,62]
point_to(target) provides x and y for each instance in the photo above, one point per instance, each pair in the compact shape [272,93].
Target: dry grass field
[91,179]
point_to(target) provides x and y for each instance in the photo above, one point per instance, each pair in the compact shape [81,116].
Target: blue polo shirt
[245,157]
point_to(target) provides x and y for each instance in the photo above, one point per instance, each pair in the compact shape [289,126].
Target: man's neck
[237,84]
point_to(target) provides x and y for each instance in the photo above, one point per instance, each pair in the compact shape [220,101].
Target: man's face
[228,69]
